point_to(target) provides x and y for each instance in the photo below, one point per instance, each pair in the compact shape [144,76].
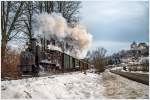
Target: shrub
[9,68]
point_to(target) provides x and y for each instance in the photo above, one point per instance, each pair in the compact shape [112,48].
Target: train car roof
[68,55]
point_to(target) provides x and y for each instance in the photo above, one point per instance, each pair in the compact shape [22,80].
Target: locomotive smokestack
[33,45]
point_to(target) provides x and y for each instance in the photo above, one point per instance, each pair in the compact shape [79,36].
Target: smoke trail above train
[74,41]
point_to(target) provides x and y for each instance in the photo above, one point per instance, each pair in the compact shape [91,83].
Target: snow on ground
[75,85]
[71,85]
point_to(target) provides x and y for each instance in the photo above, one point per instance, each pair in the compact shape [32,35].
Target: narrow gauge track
[141,78]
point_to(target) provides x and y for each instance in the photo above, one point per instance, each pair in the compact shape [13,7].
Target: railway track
[141,78]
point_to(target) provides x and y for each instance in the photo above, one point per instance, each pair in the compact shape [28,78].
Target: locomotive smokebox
[33,45]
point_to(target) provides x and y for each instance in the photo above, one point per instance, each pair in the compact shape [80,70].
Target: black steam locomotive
[35,59]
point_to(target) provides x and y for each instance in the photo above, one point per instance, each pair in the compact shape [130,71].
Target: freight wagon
[33,60]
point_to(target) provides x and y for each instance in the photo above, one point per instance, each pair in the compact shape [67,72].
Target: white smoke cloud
[48,25]
[55,26]
[80,39]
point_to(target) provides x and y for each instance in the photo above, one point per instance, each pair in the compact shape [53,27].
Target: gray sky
[114,25]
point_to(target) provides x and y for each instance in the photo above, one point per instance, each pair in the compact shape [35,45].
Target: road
[118,87]
[142,78]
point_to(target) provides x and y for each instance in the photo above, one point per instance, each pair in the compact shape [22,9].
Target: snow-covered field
[70,85]
[74,85]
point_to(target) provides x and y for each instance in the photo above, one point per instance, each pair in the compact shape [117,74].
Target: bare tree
[69,10]
[45,6]
[17,16]
[30,9]
[98,58]
[10,21]
[28,19]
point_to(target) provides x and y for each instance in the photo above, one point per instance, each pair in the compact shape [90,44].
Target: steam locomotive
[35,59]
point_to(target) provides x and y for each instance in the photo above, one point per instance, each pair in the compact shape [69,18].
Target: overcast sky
[115,25]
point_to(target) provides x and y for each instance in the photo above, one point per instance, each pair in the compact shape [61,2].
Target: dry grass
[9,66]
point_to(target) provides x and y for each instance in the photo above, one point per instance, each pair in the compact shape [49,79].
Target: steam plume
[77,40]
[50,24]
